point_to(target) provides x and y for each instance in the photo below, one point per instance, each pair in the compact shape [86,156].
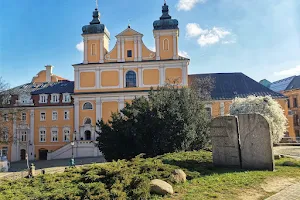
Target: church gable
[129,32]
[129,47]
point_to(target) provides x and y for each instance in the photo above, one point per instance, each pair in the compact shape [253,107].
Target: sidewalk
[291,193]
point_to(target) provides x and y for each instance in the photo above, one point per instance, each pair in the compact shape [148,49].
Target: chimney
[48,72]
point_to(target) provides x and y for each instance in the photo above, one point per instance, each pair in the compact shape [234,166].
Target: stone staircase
[80,149]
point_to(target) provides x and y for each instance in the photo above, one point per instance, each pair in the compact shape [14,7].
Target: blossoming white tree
[267,107]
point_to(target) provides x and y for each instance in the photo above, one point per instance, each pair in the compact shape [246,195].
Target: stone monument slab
[255,142]
[225,146]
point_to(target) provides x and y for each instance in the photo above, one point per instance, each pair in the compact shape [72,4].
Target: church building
[58,117]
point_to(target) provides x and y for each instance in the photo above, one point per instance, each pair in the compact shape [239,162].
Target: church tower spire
[166,34]
[96,39]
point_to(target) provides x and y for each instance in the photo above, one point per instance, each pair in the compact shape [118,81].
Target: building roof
[56,88]
[231,85]
[294,84]
[29,87]
[289,83]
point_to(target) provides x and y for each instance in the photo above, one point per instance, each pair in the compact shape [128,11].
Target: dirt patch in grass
[251,194]
[276,184]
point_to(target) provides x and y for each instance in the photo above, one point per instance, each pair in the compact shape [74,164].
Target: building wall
[49,124]
[93,58]
[219,107]
[294,109]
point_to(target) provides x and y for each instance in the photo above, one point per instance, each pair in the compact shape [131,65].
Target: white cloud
[187,5]
[208,36]
[194,30]
[289,72]
[183,54]
[80,46]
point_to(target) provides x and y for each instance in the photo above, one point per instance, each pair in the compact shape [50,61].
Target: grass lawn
[130,180]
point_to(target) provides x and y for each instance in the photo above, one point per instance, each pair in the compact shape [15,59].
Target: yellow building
[106,79]
[290,87]
[228,86]
[57,117]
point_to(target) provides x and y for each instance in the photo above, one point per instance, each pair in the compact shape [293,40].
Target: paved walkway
[42,164]
[293,151]
[19,169]
[290,193]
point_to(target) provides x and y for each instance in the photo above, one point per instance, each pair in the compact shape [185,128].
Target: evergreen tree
[171,118]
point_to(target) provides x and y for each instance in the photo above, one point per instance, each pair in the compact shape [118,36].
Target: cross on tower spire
[97,4]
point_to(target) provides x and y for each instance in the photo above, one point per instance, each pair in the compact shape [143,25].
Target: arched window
[87,106]
[130,79]
[87,121]
[166,44]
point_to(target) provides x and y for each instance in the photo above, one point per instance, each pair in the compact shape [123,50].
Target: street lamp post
[72,161]
[72,144]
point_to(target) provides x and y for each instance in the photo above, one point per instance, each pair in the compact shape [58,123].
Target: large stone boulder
[179,176]
[160,187]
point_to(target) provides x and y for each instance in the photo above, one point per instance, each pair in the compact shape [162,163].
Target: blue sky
[260,38]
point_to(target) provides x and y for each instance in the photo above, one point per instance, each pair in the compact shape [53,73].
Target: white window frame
[24,116]
[95,52]
[23,135]
[42,132]
[41,118]
[3,149]
[66,98]
[87,109]
[211,111]
[5,117]
[53,115]
[5,134]
[54,98]
[54,130]
[136,78]
[43,98]
[68,115]
[66,132]
[168,47]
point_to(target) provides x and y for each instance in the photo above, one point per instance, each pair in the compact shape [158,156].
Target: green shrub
[116,180]
[171,119]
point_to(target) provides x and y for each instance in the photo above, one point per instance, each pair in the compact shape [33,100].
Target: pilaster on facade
[98,73]
[85,50]
[140,55]
[175,48]
[119,50]
[76,78]
[135,41]
[101,50]
[76,114]
[98,109]
[157,43]
[123,49]
[184,74]
[121,77]
[161,75]
[121,103]
[140,76]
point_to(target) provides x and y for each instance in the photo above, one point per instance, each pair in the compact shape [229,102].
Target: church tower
[166,34]
[96,40]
